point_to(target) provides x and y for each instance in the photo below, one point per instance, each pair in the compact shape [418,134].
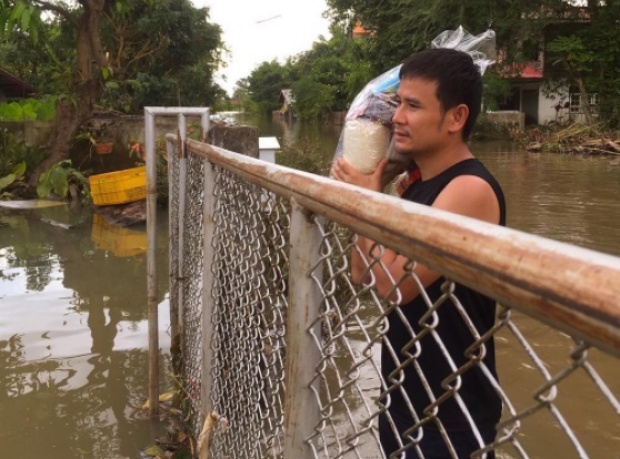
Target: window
[575,102]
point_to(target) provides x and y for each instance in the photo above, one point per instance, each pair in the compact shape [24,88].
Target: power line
[269,19]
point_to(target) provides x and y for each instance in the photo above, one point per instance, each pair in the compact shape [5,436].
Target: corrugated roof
[12,86]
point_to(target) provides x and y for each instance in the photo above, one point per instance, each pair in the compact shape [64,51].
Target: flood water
[73,336]
[73,341]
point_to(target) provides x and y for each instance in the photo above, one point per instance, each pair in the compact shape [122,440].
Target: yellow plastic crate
[118,187]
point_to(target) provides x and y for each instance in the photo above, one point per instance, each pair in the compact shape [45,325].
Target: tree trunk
[70,116]
[585,101]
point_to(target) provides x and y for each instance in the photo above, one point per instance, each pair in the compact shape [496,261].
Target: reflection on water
[73,336]
[121,242]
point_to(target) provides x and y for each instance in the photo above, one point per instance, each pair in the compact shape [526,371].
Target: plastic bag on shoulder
[366,136]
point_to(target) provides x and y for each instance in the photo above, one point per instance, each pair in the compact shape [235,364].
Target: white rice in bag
[365,143]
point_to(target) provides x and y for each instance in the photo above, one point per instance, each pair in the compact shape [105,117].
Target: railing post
[181,134]
[173,263]
[151,261]
[301,410]
[208,228]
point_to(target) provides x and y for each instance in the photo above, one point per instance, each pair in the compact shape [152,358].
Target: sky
[258,31]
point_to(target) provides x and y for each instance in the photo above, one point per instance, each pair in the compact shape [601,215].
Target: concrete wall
[511,118]
[128,130]
[34,133]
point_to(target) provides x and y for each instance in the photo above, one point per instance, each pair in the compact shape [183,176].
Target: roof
[360,31]
[529,71]
[522,71]
[12,86]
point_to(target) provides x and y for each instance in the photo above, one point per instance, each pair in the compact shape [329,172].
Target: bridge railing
[281,351]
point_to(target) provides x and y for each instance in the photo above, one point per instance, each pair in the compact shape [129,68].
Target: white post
[301,409]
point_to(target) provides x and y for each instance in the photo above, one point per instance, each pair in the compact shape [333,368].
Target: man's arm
[465,195]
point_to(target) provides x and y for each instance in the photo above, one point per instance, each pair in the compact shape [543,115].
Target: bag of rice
[365,137]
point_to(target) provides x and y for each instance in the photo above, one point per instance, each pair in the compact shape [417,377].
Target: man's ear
[457,118]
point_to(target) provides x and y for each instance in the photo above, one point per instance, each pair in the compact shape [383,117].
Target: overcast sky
[262,31]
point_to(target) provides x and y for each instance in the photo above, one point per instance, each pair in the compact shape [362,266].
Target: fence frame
[578,297]
[151,229]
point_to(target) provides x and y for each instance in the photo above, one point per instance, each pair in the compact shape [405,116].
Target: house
[286,99]
[286,103]
[530,79]
[526,95]
[12,87]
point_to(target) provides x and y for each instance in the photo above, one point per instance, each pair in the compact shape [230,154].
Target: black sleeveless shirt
[452,330]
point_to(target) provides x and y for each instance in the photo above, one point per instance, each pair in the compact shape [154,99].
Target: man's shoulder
[473,196]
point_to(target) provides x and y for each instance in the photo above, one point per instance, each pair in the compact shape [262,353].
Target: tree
[575,60]
[581,40]
[266,82]
[328,77]
[242,100]
[402,27]
[88,74]
[93,63]
[162,53]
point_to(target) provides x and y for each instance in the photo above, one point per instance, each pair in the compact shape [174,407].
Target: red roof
[529,71]
[522,70]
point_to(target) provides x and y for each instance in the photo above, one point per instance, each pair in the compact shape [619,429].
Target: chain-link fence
[285,356]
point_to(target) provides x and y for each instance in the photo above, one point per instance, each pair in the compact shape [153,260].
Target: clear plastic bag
[366,136]
[480,47]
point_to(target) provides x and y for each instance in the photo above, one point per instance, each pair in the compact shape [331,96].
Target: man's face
[419,128]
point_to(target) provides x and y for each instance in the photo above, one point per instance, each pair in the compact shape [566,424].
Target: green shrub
[15,151]
[58,178]
[29,109]
[302,156]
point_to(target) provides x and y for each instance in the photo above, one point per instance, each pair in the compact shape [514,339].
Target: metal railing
[282,351]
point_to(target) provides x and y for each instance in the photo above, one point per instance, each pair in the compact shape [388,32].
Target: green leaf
[17,11]
[11,112]
[4,16]
[154,451]
[29,112]
[106,72]
[44,187]
[60,181]
[20,170]
[25,19]
[6,180]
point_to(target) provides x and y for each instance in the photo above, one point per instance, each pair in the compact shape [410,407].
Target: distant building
[528,79]
[286,99]
[360,32]
[12,87]
[286,103]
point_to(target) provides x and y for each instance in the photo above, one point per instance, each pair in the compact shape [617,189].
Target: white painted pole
[301,410]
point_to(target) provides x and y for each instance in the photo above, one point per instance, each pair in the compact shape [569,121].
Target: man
[439,99]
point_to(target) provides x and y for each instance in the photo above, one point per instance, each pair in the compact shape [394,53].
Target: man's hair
[458,79]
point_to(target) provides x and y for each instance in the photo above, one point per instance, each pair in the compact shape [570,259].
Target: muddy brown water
[73,333]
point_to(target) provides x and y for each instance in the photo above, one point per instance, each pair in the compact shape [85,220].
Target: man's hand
[376,181]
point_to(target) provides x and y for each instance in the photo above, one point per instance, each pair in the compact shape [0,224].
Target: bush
[15,151]
[29,109]
[302,157]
